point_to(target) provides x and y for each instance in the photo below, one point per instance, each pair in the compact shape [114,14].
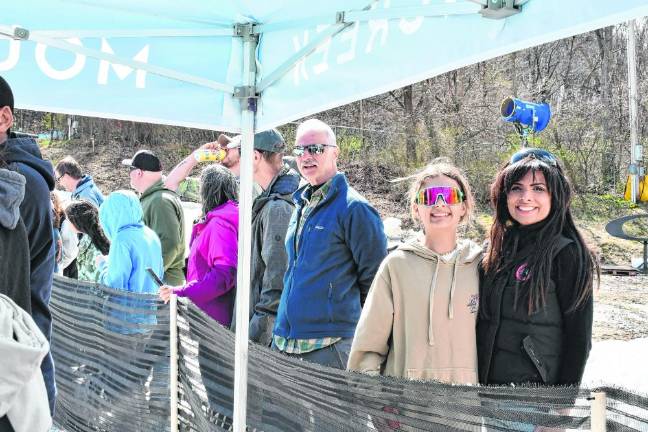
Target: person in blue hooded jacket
[133,248]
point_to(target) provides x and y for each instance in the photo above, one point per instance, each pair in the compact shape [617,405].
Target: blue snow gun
[529,116]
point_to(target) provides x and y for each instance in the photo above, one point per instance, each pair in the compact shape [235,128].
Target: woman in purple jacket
[211,269]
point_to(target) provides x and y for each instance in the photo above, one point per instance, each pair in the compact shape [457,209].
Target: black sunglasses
[314,149]
[58,179]
[534,153]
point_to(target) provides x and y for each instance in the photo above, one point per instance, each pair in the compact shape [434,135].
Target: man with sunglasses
[335,244]
[24,156]
[162,210]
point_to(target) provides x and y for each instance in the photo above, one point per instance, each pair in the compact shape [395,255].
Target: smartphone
[155,277]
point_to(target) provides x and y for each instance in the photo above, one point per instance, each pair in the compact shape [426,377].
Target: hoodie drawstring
[452,289]
[432,288]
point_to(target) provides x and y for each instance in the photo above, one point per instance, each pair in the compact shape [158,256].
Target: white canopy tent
[243,66]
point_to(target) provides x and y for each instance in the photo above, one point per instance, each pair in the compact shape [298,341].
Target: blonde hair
[442,167]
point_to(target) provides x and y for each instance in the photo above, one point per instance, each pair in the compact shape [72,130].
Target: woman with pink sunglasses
[419,318]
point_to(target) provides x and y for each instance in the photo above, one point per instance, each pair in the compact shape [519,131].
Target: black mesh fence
[112,379]
[112,359]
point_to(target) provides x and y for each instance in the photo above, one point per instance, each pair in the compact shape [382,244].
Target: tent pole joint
[246,31]
[500,9]
[19,33]
[247,94]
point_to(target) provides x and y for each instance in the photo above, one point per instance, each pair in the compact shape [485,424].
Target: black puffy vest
[513,346]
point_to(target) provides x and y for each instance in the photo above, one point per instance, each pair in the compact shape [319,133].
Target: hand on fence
[165,292]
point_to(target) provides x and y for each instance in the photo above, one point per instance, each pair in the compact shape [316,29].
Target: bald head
[316,166]
[314,127]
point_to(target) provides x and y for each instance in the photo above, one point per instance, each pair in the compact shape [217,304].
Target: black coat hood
[26,151]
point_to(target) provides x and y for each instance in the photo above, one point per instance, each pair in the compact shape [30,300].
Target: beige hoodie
[419,318]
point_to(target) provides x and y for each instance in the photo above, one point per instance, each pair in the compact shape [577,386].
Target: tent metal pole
[632,106]
[289,64]
[598,414]
[373,13]
[25,35]
[173,358]
[248,100]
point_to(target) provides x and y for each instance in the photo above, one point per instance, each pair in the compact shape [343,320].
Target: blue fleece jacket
[133,248]
[341,247]
[87,189]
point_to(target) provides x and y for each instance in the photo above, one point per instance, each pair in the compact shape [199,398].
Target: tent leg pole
[248,116]
[598,412]
[173,358]
[633,110]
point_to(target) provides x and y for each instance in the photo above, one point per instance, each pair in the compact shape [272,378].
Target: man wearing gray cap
[271,214]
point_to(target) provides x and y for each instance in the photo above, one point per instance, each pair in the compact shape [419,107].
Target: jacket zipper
[296,254]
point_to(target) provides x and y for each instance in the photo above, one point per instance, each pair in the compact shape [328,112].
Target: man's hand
[182,170]
[214,145]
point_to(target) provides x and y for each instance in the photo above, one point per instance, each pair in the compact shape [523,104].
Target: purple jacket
[211,270]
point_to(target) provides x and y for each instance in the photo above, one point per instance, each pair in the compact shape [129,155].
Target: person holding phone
[130,320]
[133,248]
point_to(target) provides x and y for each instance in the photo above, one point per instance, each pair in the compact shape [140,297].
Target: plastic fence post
[599,404]
[173,367]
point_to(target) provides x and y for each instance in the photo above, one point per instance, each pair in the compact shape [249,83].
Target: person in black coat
[536,305]
[23,156]
[14,246]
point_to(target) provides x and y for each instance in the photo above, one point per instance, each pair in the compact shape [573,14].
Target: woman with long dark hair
[536,306]
[84,218]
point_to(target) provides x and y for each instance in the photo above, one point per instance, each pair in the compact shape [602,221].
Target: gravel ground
[621,308]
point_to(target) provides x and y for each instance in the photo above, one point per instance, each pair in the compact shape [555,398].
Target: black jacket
[550,346]
[14,246]
[24,157]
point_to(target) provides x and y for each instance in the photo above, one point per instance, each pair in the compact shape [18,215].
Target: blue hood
[282,187]
[121,209]
[287,182]
[26,151]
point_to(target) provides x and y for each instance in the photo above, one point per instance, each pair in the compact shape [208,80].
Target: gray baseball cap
[270,140]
